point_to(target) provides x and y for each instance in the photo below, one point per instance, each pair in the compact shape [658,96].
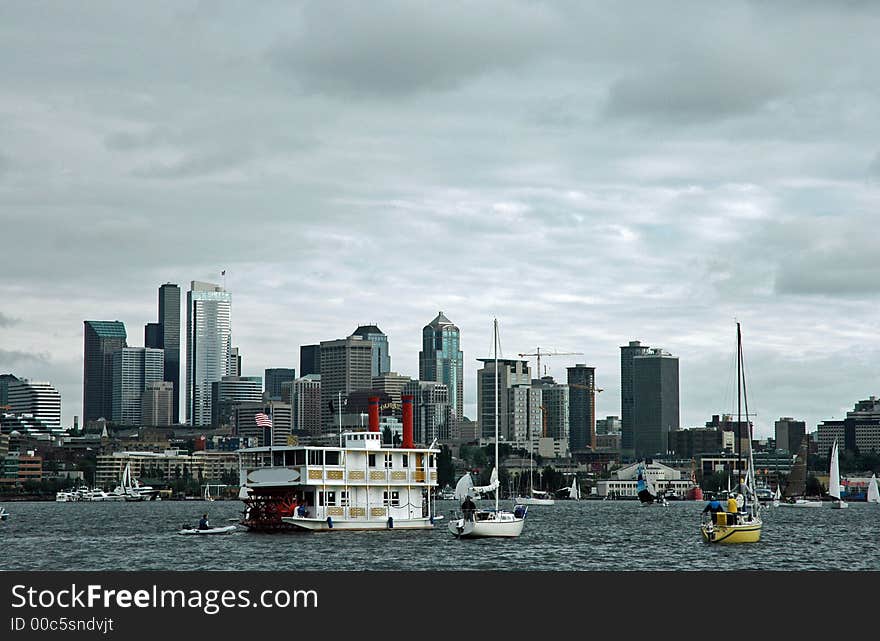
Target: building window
[388,461]
[391,499]
[371,459]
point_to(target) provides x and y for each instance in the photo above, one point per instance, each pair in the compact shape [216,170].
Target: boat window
[332,458]
[391,498]
[405,460]
[329,498]
[388,461]
[371,459]
[278,459]
[315,457]
[343,498]
[431,461]
[299,457]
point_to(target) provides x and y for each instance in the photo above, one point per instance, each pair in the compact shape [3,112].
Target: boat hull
[840,505]
[525,500]
[731,534]
[332,525]
[462,529]
[802,504]
[229,529]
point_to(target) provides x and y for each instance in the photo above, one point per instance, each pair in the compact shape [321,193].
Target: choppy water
[585,535]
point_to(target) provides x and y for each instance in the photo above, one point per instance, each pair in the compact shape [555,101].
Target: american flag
[262,420]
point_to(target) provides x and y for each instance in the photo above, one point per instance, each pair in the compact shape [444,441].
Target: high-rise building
[169,329]
[245,423]
[430,410]
[234,368]
[133,369]
[381,358]
[525,416]
[309,360]
[305,397]
[101,339]
[208,347]
[608,425]
[231,391]
[37,398]
[346,365]
[442,360]
[510,374]
[153,335]
[789,434]
[655,402]
[391,383]
[157,404]
[555,401]
[581,406]
[5,379]
[274,378]
[627,354]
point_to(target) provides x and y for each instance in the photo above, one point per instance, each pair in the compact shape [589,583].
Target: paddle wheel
[265,509]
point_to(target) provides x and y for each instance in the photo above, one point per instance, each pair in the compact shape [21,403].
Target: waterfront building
[231,391]
[309,360]
[133,369]
[208,349]
[655,410]
[305,399]
[166,465]
[274,378]
[431,410]
[511,372]
[608,425]
[581,406]
[442,360]
[38,399]
[858,431]
[789,433]
[157,404]
[100,340]
[623,482]
[627,354]
[381,359]
[346,365]
[17,468]
[280,414]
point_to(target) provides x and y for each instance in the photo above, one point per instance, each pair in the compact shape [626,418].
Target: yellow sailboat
[741,522]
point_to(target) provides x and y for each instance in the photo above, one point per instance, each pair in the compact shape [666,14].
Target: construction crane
[593,390]
[539,354]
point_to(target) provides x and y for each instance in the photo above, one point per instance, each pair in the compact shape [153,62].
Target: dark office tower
[275,376]
[381,358]
[442,360]
[627,353]
[345,367]
[309,360]
[153,335]
[101,339]
[655,402]
[581,406]
[169,334]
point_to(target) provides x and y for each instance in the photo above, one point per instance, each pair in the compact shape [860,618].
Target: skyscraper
[346,365]
[169,330]
[627,354]
[511,373]
[231,391]
[153,335]
[655,402]
[101,339]
[789,434]
[36,398]
[157,403]
[208,348]
[442,360]
[274,377]
[430,410]
[133,369]
[309,360]
[306,402]
[581,406]
[555,403]
[381,358]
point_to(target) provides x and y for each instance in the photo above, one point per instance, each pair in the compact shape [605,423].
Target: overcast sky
[588,174]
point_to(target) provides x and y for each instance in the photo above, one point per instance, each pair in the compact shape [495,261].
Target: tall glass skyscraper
[101,339]
[442,360]
[208,346]
[133,369]
[381,358]
[169,324]
[627,403]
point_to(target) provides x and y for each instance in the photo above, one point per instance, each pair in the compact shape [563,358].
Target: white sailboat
[574,492]
[873,490]
[834,488]
[491,522]
[776,497]
[535,497]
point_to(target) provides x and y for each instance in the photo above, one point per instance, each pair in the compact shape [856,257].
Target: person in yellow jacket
[732,509]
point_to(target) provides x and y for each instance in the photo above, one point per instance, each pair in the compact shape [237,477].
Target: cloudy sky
[589,175]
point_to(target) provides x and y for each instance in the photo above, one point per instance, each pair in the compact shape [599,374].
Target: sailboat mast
[498,470]
[738,404]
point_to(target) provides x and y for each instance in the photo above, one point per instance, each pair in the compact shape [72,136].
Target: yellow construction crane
[593,390]
[539,354]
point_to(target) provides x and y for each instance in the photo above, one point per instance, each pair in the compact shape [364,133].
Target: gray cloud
[12,358]
[8,321]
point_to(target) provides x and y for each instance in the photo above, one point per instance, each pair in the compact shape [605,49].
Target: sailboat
[797,482]
[873,490]
[491,522]
[776,497]
[535,497]
[646,491]
[744,525]
[574,492]
[834,480]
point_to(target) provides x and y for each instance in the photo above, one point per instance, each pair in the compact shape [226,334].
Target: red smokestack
[374,413]
[407,420]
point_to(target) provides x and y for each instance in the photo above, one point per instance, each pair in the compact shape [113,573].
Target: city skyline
[548,170]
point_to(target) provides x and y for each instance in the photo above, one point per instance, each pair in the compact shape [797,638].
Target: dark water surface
[585,535]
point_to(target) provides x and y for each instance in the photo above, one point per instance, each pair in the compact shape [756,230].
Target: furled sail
[873,490]
[493,484]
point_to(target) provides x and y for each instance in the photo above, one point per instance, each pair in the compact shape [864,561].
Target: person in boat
[203,522]
[303,510]
[732,510]
[713,507]
[468,507]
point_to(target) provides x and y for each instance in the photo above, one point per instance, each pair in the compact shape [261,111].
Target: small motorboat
[226,529]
